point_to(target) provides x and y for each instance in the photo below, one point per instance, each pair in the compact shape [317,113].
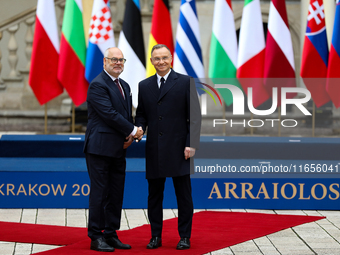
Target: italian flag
[223,47]
[71,72]
[252,52]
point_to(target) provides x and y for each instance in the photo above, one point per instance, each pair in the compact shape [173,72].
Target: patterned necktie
[120,89]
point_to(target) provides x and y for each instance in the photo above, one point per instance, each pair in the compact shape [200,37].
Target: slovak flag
[315,54]
[100,38]
[333,75]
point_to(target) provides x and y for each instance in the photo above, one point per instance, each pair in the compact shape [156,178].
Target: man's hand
[189,152]
[128,141]
[139,134]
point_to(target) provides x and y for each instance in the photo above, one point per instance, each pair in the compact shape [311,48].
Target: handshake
[137,137]
[139,134]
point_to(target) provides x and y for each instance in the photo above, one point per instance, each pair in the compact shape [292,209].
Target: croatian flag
[333,85]
[100,38]
[315,54]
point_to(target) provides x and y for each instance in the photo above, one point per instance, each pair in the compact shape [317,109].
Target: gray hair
[159,46]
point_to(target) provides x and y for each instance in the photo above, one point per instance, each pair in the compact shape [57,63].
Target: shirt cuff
[134,131]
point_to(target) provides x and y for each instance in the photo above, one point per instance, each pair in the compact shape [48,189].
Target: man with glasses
[109,132]
[168,106]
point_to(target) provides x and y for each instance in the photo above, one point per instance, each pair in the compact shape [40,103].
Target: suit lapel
[153,86]
[170,82]
[113,86]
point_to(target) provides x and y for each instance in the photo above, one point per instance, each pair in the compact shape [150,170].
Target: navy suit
[172,118]
[109,123]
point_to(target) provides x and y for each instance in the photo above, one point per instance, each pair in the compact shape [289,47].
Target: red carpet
[211,231]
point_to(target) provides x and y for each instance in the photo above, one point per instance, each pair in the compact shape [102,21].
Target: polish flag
[45,54]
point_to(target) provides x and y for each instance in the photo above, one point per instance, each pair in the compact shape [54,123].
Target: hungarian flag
[45,54]
[161,31]
[132,45]
[100,38]
[252,52]
[333,81]
[223,47]
[279,69]
[315,54]
[71,72]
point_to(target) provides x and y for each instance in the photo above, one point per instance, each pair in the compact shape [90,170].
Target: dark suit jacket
[109,117]
[173,119]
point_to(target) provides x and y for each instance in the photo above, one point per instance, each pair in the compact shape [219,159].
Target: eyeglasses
[159,59]
[115,60]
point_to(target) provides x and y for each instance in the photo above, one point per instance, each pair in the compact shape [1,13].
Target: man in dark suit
[109,132]
[168,106]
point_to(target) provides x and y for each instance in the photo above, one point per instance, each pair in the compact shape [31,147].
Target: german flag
[161,31]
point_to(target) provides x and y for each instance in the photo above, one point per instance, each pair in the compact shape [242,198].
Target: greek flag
[188,54]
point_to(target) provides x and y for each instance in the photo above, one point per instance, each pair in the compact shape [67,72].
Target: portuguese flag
[161,31]
[71,68]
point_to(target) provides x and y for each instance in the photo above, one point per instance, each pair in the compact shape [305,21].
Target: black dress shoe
[100,245]
[116,243]
[183,244]
[155,242]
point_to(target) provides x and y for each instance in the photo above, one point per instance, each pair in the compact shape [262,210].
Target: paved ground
[321,237]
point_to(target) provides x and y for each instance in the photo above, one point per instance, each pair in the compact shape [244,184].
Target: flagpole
[279,113]
[45,119]
[224,126]
[251,128]
[73,118]
[313,121]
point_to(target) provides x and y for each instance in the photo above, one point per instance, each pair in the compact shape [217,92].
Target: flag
[161,31]
[252,52]
[333,85]
[223,46]
[100,38]
[315,54]
[45,54]
[279,57]
[132,45]
[71,68]
[188,54]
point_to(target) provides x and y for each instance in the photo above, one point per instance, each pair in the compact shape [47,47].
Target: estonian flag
[131,43]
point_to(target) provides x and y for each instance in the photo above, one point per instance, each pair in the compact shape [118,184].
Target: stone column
[13,56]
[2,86]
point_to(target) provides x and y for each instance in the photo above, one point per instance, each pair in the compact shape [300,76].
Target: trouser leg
[155,205]
[114,202]
[182,185]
